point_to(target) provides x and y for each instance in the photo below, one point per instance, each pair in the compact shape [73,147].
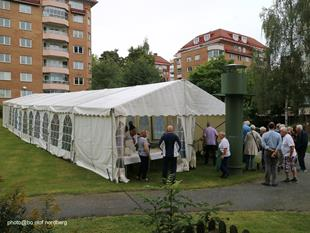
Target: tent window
[45,127]
[180,132]
[144,123]
[66,134]
[55,130]
[25,122]
[19,120]
[10,116]
[30,123]
[37,125]
[120,139]
[158,127]
[15,118]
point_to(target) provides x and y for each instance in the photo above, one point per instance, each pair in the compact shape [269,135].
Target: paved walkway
[253,196]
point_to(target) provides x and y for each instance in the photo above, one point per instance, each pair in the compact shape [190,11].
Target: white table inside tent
[134,157]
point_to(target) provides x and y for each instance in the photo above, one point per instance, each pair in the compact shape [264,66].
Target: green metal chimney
[234,88]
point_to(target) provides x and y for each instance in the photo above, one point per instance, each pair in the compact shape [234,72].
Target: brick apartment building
[233,46]
[163,67]
[45,46]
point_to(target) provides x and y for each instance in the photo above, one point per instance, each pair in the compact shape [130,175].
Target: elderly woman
[224,149]
[144,154]
[252,145]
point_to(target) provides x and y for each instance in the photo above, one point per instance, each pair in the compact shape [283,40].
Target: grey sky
[169,24]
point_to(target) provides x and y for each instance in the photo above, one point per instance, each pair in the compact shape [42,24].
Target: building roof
[223,34]
[160,60]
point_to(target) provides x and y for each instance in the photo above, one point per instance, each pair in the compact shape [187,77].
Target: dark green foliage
[208,75]
[201,228]
[212,225]
[222,227]
[233,229]
[13,215]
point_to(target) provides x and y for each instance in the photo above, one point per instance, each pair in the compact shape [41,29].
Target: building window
[25,122]
[30,123]
[5,93]
[26,26]
[197,57]
[26,43]
[235,37]
[78,81]
[244,50]
[215,53]
[76,5]
[5,75]
[25,60]
[239,48]
[5,58]
[5,5]
[244,39]
[232,56]
[5,40]
[55,78]
[37,124]
[196,40]
[189,69]
[66,134]
[78,65]
[78,18]
[206,37]
[89,36]
[25,77]
[78,49]
[45,127]
[89,52]
[55,130]
[55,63]
[24,8]
[50,11]
[189,59]
[5,22]
[25,92]
[88,21]
[78,34]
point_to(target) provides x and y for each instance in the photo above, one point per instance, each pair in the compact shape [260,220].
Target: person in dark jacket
[301,146]
[170,145]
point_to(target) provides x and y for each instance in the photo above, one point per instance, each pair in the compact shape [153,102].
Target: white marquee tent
[87,127]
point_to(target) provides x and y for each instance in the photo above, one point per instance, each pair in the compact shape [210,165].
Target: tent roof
[172,98]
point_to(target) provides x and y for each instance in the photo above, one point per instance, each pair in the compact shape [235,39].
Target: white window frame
[77,81]
[78,34]
[25,77]
[6,23]
[76,17]
[25,92]
[5,76]
[25,26]
[196,41]
[206,37]
[5,5]
[189,59]
[76,5]
[197,57]
[6,58]
[5,93]
[26,9]
[244,39]
[78,65]
[189,69]
[78,49]
[235,37]
[25,43]
[25,60]
[5,40]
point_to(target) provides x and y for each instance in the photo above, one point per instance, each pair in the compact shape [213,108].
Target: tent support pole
[112,138]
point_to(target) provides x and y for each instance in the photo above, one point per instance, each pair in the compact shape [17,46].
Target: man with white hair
[224,148]
[301,146]
[289,153]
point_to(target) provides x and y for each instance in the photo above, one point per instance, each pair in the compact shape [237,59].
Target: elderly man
[170,145]
[289,153]
[224,148]
[271,142]
[210,136]
[301,146]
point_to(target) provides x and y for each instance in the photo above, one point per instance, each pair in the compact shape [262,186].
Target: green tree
[107,70]
[283,27]
[208,75]
[139,67]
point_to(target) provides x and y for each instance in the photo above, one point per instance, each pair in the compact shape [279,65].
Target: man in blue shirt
[271,142]
[170,145]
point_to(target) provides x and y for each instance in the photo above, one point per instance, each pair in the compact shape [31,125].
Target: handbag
[258,147]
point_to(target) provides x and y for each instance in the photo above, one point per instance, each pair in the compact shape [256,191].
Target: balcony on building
[55,50]
[56,81]
[53,65]
[55,15]
[56,3]
[55,33]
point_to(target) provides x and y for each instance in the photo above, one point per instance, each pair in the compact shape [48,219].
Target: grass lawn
[39,172]
[254,221]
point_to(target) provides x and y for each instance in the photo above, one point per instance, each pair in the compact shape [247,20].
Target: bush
[13,216]
[169,214]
